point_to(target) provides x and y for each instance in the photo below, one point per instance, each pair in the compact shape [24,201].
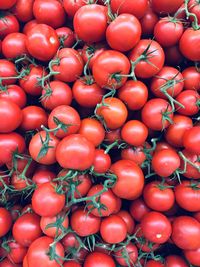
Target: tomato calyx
[45,144]
[166,117]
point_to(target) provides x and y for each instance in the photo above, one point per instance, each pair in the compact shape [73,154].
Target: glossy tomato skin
[186,232]
[37,253]
[7,69]
[23,10]
[96,258]
[148,21]
[191,79]
[78,148]
[138,209]
[190,171]
[46,201]
[15,94]
[135,154]
[66,36]
[129,175]
[191,140]
[7,4]
[175,260]
[156,227]
[144,68]
[166,7]
[43,176]
[8,24]
[16,252]
[26,229]
[193,256]
[102,161]
[154,263]
[132,252]
[125,215]
[134,94]
[46,37]
[189,99]
[29,25]
[90,23]
[71,7]
[5,221]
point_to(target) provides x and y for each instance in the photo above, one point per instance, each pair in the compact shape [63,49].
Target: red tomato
[78,148]
[84,223]
[15,94]
[90,23]
[138,209]
[191,140]
[113,135]
[23,10]
[17,182]
[16,252]
[26,229]
[186,232]
[5,221]
[71,264]
[166,6]
[191,78]
[43,176]
[113,229]
[154,263]
[7,4]
[7,70]
[156,227]
[98,258]
[71,7]
[29,25]
[66,36]
[132,255]
[8,24]
[70,241]
[102,161]
[135,154]
[7,263]
[193,256]
[189,99]
[125,215]
[47,200]
[175,261]
[148,21]
[47,39]
[129,175]
[190,171]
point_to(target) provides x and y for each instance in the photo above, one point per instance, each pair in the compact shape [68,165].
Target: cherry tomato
[175,260]
[66,36]
[138,209]
[96,258]
[15,94]
[5,221]
[193,256]
[43,176]
[190,171]
[148,21]
[23,10]
[191,78]
[132,255]
[7,72]
[7,263]
[191,140]
[102,161]
[135,154]
[125,215]
[189,99]
[29,25]
[8,24]
[166,6]
[16,252]
[71,264]
[7,4]
[71,7]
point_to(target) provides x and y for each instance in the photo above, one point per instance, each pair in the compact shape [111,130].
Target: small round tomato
[189,170]
[102,161]
[191,140]
[148,21]
[135,154]
[98,258]
[191,78]
[113,229]
[8,24]
[17,252]
[125,215]
[154,263]
[47,39]
[29,25]
[156,227]
[186,232]
[7,4]
[193,256]
[166,6]
[7,70]
[189,99]
[132,255]
[138,209]
[71,264]
[41,176]
[175,261]
[15,94]
[5,221]
[23,10]
[66,36]
[71,7]
[113,135]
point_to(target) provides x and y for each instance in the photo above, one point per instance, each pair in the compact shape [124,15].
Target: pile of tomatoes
[99,133]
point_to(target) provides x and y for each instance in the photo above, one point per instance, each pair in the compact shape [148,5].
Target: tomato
[135,154]
[171,28]
[148,21]
[47,200]
[107,201]
[113,135]
[66,36]
[15,94]
[20,163]
[152,60]
[157,114]
[175,132]
[191,140]
[5,221]
[165,162]
[53,231]
[57,93]
[90,52]
[8,263]
[42,147]
[129,175]
[50,12]
[16,252]
[114,112]
[138,209]
[29,25]
[156,227]
[8,24]
[78,148]
[134,133]
[187,195]
[7,4]
[29,82]
[158,196]
[17,182]
[7,72]
[186,232]
[124,32]
[191,78]
[15,212]
[189,99]
[10,143]
[47,39]
[32,118]
[113,229]
[102,161]
[166,6]
[108,69]
[169,81]
[23,10]
[10,116]
[95,259]
[132,255]
[154,263]
[70,241]
[175,261]
[84,223]
[173,56]
[84,87]
[71,264]
[127,6]
[37,253]
[43,176]
[90,23]
[125,215]
[70,65]
[26,229]
[193,256]
[190,39]
[190,172]
[134,94]
[197,216]
[68,119]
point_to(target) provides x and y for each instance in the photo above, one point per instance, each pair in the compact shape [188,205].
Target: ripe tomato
[7,69]
[175,261]
[134,133]
[70,241]
[8,24]
[156,227]
[41,176]
[17,182]
[191,140]
[190,172]
[7,4]
[112,136]
[78,148]
[129,175]
[37,253]
[26,229]
[5,221]
[15,94]
[125,215]
[114,112]
[29,25]
[148,21]
[46,37]
[71,7]
[7,263]
[84,223]
[157,114]
[166,6]
[191,78]
[71,264]
[186,232]
[193,256]
[134,94]
[135,154]
[113,229]
[95,259]
[16,252]
[108,69]
[102,161]
[90,23]
[42,147]
[66,36]
[152,60]
[23,10]
[173,56]
[189,99]
[50,12]
[154,263]
[132,255]
[47,200]
[138,209]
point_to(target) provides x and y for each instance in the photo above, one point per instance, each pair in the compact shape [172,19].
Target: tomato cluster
[99,133]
